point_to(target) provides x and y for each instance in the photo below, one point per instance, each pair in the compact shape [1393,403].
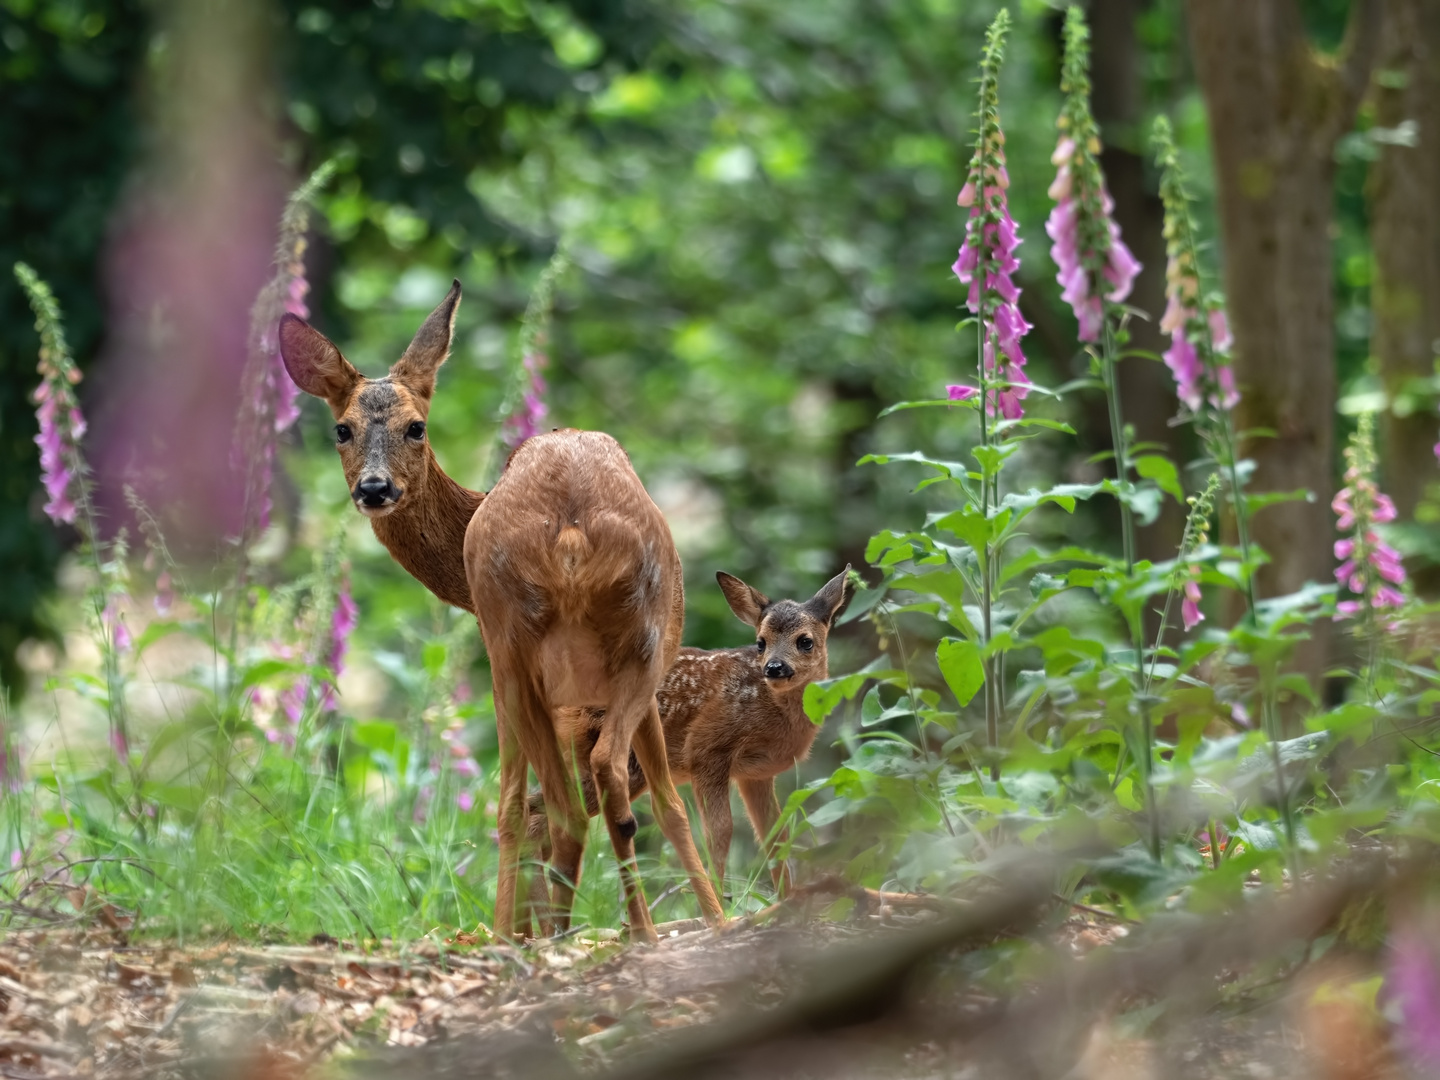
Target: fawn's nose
[778,669]
[373,491]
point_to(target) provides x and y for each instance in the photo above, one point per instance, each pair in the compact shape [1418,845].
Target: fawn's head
[790,634]
[379,423]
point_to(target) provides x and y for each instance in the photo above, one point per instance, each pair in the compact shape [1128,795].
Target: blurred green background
[759,204]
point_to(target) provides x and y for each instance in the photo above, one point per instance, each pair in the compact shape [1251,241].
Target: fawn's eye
[805,643]
[760,644]
[416,430]
[343,433]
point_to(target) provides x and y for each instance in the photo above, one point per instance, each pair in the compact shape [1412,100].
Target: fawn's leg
[610,769]
[712,792]
[763,811]
[649,746]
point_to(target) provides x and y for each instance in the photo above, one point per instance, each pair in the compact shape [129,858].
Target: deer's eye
[416,430]
[343,434]
[760,644]
[805,643]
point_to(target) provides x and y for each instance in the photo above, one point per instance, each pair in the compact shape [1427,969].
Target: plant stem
[1225,431]
[1108,369]
[992,720]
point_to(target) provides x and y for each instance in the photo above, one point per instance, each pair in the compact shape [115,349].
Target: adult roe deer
[570,569]
[732,714]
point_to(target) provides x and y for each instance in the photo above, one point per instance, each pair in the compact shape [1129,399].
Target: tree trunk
[1147,392]
[1404,193]
[1275,111]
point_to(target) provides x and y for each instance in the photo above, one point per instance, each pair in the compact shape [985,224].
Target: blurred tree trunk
[1405,233]
[1276,109]
[1146,390]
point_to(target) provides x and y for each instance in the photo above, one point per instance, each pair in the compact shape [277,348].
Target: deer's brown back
[571,563]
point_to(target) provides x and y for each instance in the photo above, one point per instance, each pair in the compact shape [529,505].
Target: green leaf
[1003,426]
[266,670]
[822,696]
[969,525]
[948,468]
[962,668]
[1260,501]
[1162,470]
[930,403]
[1062,495]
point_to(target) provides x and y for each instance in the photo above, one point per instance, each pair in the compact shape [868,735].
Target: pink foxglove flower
[343,621]
[987,260]
[1413,981]
[1200,341]
[1187,570]
[1095,265]
[164,593]
[1190,612]
[62,468]
[1368,566]
[270,398]
[115,628]
[529,419]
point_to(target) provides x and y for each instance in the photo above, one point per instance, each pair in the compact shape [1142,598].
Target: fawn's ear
[747,603]
[417,368]
[315,364]
[827,604]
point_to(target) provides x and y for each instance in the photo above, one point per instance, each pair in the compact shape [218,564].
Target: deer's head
[790,635]
[379,423]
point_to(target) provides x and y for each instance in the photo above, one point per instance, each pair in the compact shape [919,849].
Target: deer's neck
[426,535]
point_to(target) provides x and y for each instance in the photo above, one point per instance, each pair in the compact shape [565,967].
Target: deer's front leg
[763,810]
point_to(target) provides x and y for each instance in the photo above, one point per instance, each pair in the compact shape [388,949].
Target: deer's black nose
[372,491]
[778,669]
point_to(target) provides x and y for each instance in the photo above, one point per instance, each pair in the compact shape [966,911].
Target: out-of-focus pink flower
[115,628]
[529,419]
[1413,979]
[465,801]
[164,593]
[1190,611]
[61,429]
[467,767]
[1368,566]
[987,263]
[343,621]
[1087,246]
[961,392]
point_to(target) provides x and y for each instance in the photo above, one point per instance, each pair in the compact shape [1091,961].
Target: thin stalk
[992,720]
[1127,533]
[1225,429]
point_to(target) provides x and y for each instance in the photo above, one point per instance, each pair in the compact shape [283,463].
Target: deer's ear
[315,364]
[747,603]
[417,368]
[827,604]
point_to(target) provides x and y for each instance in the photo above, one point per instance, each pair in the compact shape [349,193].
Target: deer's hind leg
[565,813]
[610,770]
[649,745]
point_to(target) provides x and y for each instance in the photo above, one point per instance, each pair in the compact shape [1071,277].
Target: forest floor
[87,1001]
